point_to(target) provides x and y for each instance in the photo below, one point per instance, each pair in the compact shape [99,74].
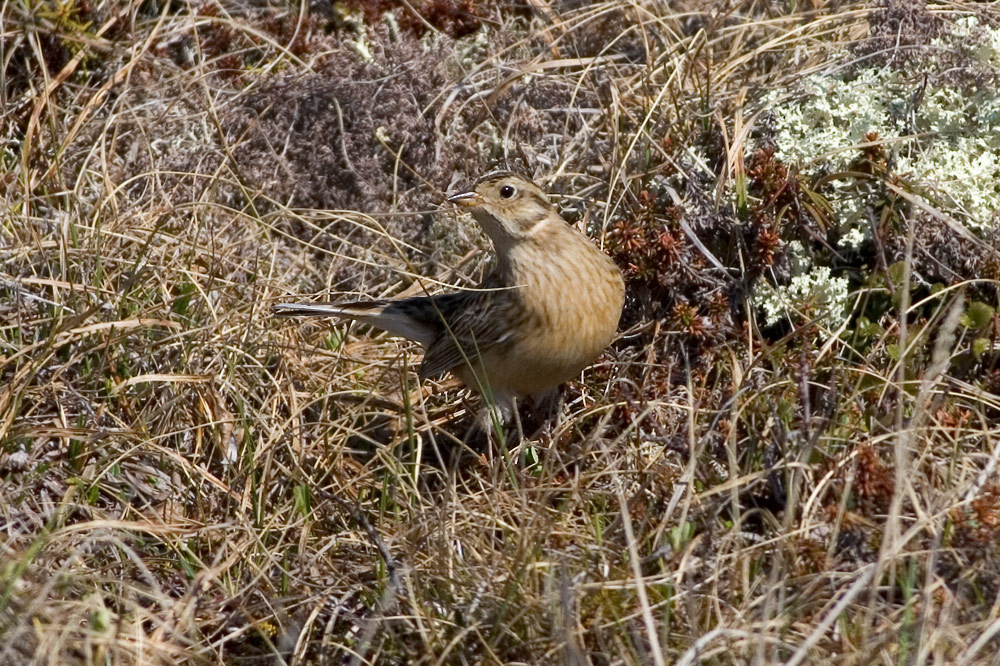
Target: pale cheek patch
[538,226]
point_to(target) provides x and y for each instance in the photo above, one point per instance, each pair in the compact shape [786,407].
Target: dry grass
[183,479]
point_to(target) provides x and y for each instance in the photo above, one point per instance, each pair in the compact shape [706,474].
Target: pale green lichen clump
[945,144]
[948,141]
[813,292]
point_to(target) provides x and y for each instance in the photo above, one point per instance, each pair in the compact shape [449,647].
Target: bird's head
[509,207]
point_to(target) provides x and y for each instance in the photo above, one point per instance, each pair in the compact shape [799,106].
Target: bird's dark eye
[507,191]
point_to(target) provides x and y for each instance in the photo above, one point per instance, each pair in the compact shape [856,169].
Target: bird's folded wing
[474,322]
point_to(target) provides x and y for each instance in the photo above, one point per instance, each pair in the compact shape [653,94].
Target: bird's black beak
[466,199]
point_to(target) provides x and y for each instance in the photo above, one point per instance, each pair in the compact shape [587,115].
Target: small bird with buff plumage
[547,310]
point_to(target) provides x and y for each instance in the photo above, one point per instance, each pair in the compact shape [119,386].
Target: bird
[546,310]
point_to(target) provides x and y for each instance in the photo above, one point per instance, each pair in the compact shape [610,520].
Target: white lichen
[813,294]
[945,141]
[944,144]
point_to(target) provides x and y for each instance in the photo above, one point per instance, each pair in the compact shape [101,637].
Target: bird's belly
[565,341]
[527,373]
[563,314]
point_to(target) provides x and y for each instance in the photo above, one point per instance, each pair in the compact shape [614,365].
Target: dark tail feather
[387,315]
[344,310]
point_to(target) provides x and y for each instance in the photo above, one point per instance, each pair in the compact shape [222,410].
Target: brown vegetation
[185,480]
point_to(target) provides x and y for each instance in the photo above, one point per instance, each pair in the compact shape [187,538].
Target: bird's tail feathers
[358,310]
[380,314]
